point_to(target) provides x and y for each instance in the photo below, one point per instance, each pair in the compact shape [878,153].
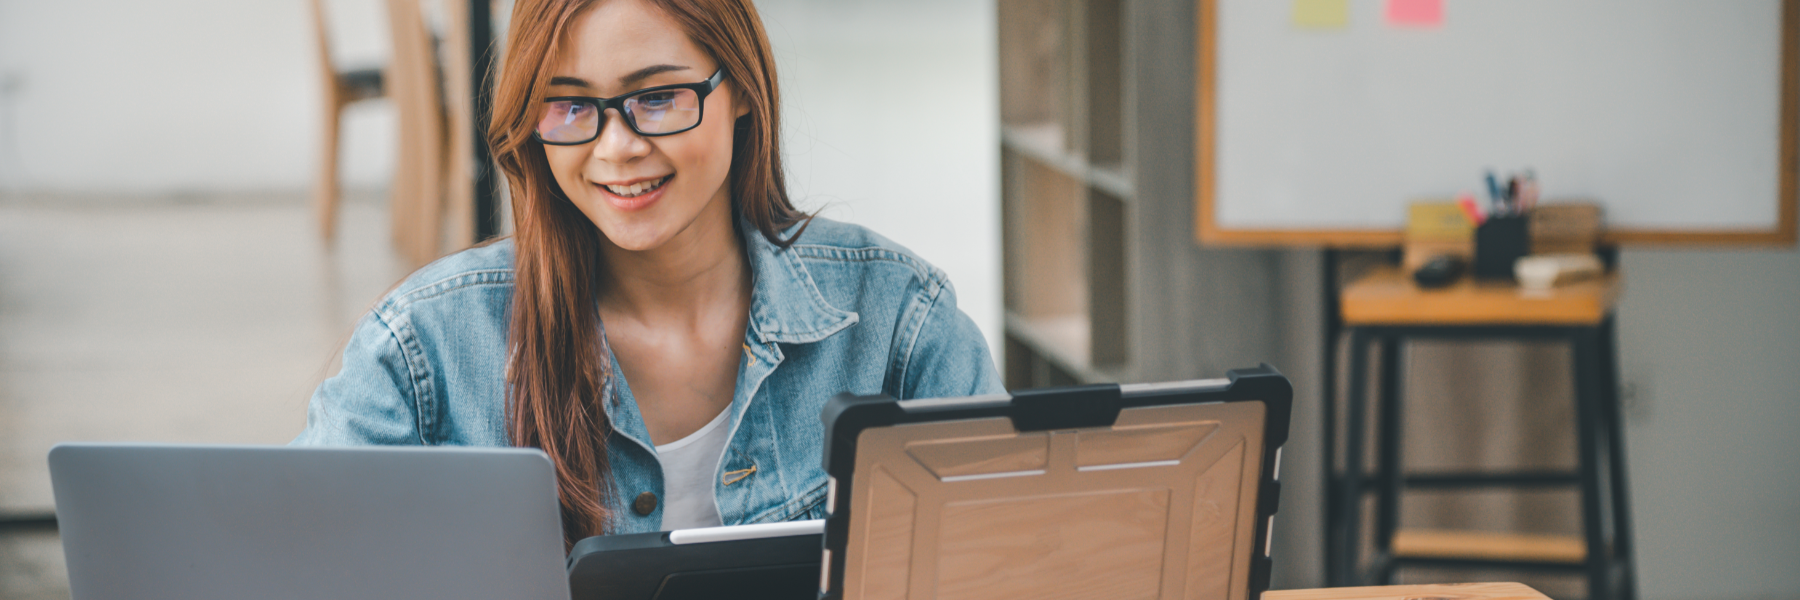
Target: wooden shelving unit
[1103,280]
[1067,188]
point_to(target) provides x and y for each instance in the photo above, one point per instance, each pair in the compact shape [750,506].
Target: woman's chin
[635,237]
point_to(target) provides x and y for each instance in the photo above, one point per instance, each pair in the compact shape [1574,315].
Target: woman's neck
[687,280]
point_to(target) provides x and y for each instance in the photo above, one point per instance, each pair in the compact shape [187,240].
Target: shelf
[1043,143]
[1481,545]
[1044,233]
[1060,340]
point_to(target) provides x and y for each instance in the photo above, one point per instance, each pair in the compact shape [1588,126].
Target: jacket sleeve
[372,399]
[948,356]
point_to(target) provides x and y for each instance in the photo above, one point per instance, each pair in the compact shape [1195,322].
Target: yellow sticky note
[1322,14]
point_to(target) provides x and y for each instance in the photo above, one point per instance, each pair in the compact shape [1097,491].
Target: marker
[1471,209]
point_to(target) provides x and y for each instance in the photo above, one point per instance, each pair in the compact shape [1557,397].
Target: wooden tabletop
[1387,296]
[1449,591]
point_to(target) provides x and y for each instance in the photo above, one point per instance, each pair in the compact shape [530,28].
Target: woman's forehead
[616,39]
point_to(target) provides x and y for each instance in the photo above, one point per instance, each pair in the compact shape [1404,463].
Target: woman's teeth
[637,189]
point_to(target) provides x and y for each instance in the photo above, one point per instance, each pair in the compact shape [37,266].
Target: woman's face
[620,46]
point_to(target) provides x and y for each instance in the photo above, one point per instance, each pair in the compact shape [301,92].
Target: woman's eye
[566,111]
[657,100]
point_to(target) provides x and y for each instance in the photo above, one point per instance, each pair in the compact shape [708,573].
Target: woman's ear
[739,105]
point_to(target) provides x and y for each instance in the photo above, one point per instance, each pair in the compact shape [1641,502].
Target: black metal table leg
[1391,475]
[1349,508]
[1590,432]
[1332,325]
[27,522]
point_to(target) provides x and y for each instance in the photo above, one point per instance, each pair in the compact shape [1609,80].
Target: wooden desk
[1384,308]
[1452,591]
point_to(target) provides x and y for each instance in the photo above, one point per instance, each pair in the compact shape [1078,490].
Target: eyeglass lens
[652,113]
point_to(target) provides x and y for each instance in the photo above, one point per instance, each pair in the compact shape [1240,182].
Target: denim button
[644,504]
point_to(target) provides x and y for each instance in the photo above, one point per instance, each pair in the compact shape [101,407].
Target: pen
[1512,195]
[1493,192]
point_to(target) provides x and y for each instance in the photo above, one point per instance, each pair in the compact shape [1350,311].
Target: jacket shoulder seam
[402,299]
[924,272]
[914,329]
[413,377]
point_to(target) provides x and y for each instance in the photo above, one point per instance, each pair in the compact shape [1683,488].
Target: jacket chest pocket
[777,506]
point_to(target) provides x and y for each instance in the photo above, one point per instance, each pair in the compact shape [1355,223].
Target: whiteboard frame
[1207,230]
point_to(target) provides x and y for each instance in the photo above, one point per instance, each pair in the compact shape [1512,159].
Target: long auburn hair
[557,365]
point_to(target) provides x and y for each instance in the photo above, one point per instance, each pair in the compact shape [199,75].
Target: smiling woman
[655,243]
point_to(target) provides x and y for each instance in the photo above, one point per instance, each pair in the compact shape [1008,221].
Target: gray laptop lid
[167,521]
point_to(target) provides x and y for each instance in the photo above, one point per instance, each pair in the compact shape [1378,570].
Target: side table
[1384,308]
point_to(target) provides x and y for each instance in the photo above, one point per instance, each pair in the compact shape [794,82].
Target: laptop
[150,522]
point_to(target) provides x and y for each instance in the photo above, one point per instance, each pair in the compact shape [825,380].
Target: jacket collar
[785,307]
[785,303]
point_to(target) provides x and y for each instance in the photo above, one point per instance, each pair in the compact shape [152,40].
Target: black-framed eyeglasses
[651,112]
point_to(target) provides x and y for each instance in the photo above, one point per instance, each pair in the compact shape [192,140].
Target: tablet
[1161,490]
[775,560]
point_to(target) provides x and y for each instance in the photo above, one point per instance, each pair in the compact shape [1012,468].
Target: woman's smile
[634,194]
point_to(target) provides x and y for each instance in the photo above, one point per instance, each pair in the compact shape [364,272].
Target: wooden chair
[341,88]
[432,195]
[433,190]
[459,106]
[416,198]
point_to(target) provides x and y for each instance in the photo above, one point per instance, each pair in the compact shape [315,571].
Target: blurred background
[166,275]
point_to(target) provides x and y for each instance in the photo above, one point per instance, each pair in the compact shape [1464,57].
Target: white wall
[1710,346]
[221,96]
[892,121]
[160,97]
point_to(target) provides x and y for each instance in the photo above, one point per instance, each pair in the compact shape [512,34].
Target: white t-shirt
[688,467]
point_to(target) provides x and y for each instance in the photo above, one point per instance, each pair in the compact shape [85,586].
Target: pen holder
[1500,242]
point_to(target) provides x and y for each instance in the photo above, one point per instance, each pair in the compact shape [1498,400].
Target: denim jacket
[841,310]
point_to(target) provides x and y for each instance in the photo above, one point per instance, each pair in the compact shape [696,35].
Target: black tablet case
[646,566]
[999,497]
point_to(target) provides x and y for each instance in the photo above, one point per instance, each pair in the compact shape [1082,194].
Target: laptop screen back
[167,521]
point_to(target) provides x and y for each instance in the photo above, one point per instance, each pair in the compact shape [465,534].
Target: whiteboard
[1670,113]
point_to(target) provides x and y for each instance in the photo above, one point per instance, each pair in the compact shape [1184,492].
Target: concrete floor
[165,320]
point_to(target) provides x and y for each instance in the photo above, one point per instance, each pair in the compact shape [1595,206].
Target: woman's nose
[617,142]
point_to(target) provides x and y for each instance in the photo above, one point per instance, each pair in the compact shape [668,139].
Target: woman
[664,324]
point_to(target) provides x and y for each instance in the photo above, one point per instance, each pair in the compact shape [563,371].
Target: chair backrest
[459,108]
[413,84]
[327,71]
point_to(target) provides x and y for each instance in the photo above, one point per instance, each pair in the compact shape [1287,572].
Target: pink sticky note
[1415,13]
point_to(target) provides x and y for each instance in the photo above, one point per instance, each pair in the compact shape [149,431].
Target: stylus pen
[1494,198]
